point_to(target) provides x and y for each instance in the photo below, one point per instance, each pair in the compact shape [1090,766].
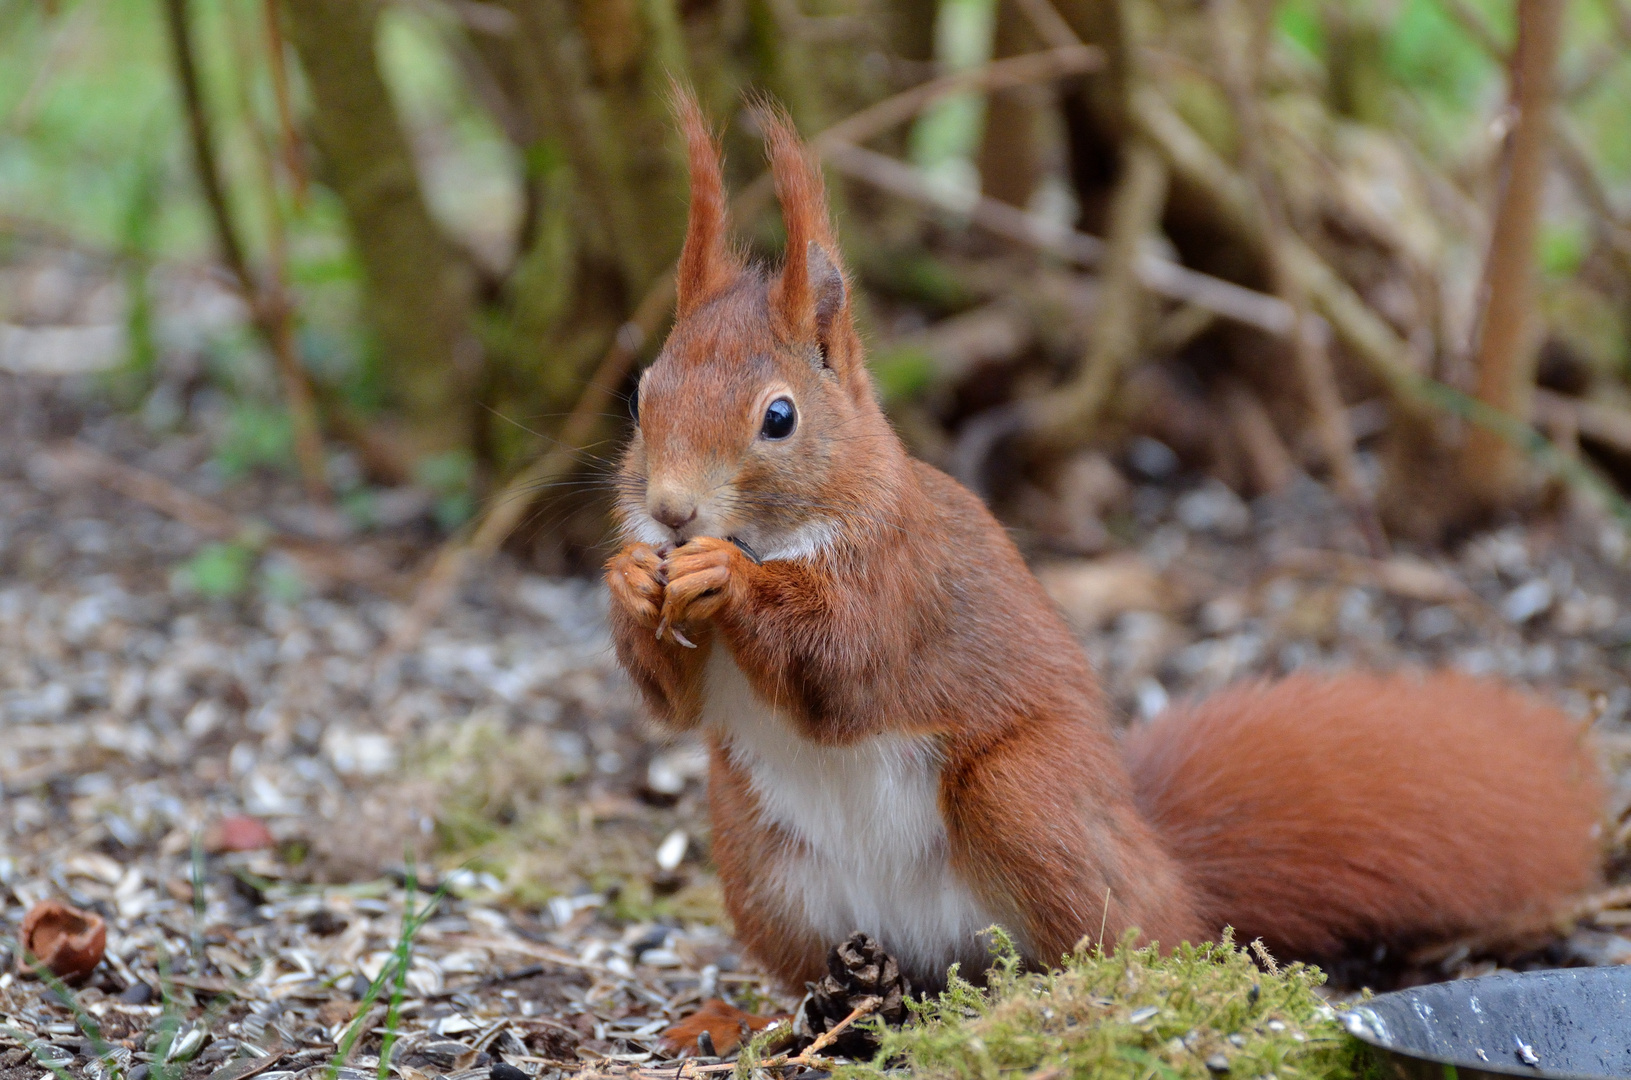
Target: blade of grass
[169,1021]
[200,903]
[396,967]
[404,959]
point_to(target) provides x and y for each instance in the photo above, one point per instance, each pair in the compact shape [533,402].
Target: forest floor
[166,698]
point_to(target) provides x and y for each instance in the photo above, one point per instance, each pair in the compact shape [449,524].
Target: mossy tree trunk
[420,299]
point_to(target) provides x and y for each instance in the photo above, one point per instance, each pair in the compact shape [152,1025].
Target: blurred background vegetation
[421,246]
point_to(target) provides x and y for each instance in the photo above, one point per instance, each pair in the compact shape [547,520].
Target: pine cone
[857,969]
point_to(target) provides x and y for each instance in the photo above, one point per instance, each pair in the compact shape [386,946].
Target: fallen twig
[804,1059]
[867,1007]
[323,560]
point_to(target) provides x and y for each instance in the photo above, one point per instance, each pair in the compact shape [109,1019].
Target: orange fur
[1324,813]
[706,264]
[847,624]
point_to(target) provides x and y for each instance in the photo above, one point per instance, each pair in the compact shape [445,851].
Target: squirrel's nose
[674,515]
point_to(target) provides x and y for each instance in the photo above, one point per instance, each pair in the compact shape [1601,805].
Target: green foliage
[85,91]
[255,436]
[1131,1013]
[1563,246]
[948,133]
[1432,56]
[395,970]
[219,571]
[451,478]
[281,583]
[901,373]
[131,381]
[1299,25]
[474,187]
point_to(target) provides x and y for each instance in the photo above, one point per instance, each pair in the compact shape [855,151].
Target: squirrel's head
[757,422]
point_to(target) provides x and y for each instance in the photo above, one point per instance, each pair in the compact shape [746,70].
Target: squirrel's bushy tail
[1321,814]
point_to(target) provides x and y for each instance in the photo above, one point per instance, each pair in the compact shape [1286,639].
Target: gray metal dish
[1560,1025]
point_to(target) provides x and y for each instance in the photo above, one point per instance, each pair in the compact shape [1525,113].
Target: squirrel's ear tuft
[707,265]
[810,298]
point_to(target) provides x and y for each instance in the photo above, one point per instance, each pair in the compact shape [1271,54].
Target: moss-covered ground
[1200,1011]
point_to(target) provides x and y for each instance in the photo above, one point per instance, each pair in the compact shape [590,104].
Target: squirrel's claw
[700,574]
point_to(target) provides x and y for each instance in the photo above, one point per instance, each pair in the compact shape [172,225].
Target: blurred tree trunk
[1509,337]
[599,74]
[420,294]
[1096,110]
[1010,151]
[582,89]
[605,184]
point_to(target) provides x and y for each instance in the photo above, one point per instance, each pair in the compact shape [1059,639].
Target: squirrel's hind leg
[1042,825]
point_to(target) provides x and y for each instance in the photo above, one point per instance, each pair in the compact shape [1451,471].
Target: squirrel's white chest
[871,851]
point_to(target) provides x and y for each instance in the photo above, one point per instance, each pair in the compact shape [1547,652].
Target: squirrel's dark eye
[634,404]
[780,419]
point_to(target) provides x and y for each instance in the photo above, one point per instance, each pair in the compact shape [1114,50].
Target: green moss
[902,372]
[1129,1013]
[507,805]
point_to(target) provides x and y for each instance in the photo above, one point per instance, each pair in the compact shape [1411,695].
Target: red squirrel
[907,740]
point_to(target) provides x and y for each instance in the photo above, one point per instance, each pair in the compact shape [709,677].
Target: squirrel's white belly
[872,852]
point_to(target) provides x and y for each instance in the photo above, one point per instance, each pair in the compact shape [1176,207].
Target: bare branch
[1160,276]
[1510,326]
[1135,213]
[179,24]
[269,312]
[1328,416]
[509,506]
[1056,63]
[324,560]
[1355,324]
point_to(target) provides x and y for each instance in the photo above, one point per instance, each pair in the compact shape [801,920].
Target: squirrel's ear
[810,298]
[828,294]
[707,265]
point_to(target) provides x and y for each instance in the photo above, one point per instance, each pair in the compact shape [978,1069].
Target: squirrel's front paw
[700,574]
[635,578]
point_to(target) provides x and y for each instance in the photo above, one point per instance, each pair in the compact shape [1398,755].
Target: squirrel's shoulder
[962,511]
[966,531]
